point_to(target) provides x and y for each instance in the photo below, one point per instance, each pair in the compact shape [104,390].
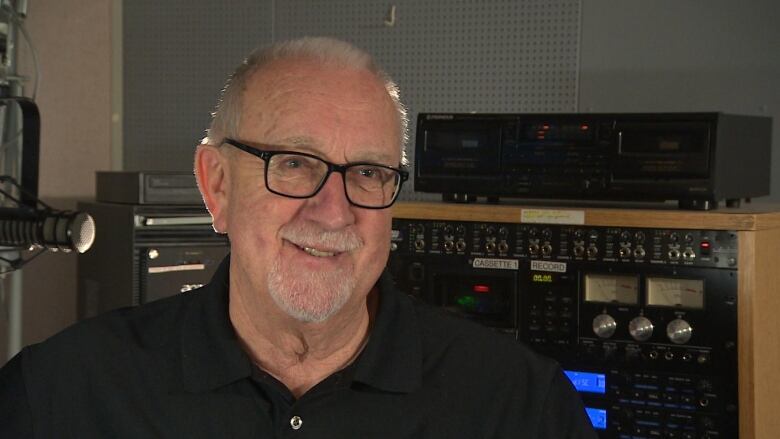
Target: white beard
[310,296]
[313,296]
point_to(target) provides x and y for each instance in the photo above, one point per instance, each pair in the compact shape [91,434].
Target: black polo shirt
[174,369]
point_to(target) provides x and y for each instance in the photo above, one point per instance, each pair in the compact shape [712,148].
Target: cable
[15,264]
[23,191]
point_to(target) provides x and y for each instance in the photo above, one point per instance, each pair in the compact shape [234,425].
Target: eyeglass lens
[301,176]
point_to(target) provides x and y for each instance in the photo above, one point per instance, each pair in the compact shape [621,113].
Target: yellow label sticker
[552,216]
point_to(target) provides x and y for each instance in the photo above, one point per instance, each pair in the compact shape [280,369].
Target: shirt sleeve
[15,414]
[563,414]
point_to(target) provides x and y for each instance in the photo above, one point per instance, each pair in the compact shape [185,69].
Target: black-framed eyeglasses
[300,175]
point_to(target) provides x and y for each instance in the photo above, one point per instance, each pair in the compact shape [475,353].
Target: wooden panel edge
[765,331]
[683,219]
[746,284]
[457,212]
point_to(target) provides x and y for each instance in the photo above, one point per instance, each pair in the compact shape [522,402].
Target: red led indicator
[705,245]
[545,127]
[481,289]
[584,127]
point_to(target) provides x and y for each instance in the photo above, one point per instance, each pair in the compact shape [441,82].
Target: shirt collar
[392,359]
[211,355]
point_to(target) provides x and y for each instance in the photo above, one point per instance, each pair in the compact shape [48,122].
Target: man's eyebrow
[375,157]
[298,141]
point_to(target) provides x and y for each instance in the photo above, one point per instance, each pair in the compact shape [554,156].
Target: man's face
[311,256]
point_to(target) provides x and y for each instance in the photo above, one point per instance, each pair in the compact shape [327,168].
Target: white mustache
[306,234]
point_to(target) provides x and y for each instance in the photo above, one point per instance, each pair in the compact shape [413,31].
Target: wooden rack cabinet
[758,230]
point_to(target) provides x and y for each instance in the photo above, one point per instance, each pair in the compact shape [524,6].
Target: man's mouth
[317,253]
[319,243]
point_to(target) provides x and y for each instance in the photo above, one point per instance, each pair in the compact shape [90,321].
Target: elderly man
[299,334]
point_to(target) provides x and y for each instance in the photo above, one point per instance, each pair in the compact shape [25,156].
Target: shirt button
[296,422]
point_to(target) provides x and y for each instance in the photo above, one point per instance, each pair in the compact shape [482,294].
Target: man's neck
[299,354]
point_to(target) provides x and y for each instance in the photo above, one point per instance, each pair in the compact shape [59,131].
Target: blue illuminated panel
[588,381]
[598,417]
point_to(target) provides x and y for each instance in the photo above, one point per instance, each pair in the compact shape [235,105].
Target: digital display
[587,381]
[598,417]
[612,289]
[673,292]
[567,132]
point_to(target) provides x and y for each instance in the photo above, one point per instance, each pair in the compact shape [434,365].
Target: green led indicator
[468,302]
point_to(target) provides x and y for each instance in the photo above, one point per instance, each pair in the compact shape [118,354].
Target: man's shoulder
[115,334]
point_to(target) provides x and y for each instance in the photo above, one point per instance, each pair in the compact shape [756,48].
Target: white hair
[227,115]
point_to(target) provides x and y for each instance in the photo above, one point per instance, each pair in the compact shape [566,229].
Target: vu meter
[612,289]
[672,292]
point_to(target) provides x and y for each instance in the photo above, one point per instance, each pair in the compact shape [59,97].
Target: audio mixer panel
[643,320]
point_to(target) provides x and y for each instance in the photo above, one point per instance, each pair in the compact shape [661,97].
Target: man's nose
[330,206]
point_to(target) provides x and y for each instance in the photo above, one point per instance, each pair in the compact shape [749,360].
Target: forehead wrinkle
[298,141]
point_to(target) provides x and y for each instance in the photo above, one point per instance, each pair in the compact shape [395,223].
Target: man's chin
[308,312]
[310,296]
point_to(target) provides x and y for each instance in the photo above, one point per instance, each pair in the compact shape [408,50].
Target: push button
[296,422]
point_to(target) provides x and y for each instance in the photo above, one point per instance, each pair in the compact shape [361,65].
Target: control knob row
[678,330]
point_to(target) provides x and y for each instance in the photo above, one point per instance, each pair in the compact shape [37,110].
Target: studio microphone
[46,228]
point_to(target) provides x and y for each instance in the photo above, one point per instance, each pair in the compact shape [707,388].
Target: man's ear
[211,171]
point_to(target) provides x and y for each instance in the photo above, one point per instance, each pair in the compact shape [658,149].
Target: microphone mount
[31,223]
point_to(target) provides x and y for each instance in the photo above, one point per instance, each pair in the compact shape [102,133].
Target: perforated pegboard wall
[449,56]
[176,57]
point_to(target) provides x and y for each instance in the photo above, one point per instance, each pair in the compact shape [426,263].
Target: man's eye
[292,163]
[368,172]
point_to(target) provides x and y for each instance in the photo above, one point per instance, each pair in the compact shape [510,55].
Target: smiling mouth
[317,253]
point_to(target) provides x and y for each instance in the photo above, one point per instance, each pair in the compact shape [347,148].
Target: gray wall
[176,57]
[667,55]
